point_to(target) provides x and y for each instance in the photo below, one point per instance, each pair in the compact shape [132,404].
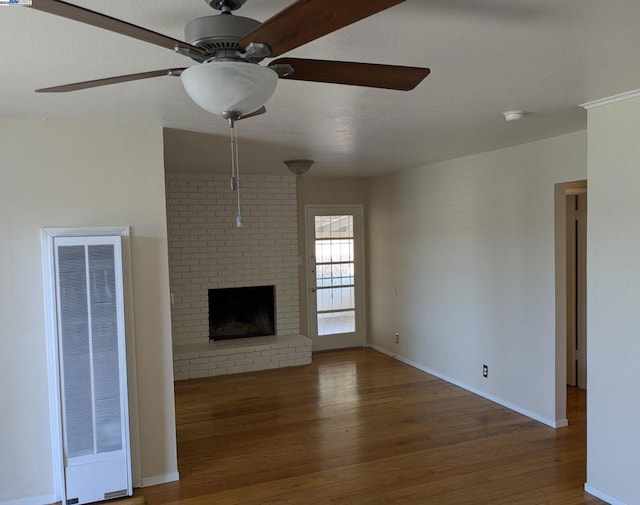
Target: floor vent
[115,494]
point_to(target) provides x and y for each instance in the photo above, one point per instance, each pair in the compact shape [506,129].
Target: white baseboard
[160,479]
[47,499]
[602,495]
[35,500]
[455,382]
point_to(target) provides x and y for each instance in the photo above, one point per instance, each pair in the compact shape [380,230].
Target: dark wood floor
[357,427]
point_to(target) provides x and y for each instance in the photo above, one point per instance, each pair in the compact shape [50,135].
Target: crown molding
[611,99]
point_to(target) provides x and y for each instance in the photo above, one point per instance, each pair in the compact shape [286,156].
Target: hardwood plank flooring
[357,427]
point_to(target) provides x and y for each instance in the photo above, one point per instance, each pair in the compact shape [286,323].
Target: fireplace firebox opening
[241,312]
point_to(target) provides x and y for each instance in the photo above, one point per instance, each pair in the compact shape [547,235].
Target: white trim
[602,495]
[53,371]
[611,99]
[34,500]
[554,424]
[122,231]
[160,479]
[132,376]
[122,357]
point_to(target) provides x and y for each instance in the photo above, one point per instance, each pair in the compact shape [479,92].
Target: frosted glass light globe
[229,86]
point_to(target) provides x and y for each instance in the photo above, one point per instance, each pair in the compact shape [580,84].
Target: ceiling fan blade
[255,113]
[307,20]
[356,74]
[70,11]
[110,80]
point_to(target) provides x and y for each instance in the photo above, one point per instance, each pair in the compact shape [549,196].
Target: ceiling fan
[229,79]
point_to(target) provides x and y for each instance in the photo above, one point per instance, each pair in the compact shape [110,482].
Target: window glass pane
[334,226]
[336,322]
[322,230]
[335,298]
[332,251]
[337,274]
[342,226]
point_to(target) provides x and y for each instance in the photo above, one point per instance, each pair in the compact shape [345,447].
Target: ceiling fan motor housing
[226,4]
[219,34]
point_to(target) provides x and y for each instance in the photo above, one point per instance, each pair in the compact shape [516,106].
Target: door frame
[576,215]
[357,210]
[48,235]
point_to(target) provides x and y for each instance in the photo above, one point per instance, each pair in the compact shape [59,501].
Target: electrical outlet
[485,371]
[397,338]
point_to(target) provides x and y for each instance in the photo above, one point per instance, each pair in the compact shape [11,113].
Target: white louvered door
[91,349]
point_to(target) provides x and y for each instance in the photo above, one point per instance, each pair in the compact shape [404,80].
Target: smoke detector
[514,115]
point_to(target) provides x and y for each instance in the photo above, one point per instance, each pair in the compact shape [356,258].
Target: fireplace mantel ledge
[236,343]
[227,357]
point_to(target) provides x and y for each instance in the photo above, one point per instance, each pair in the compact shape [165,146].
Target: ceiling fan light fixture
[229,86]
[298,167]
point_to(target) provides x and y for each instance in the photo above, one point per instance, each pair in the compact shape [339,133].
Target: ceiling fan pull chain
[233,153]
[235,168]
[239,220]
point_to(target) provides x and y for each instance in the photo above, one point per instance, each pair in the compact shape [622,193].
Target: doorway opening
[571,289]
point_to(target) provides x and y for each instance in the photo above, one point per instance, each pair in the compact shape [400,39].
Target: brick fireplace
[207,252]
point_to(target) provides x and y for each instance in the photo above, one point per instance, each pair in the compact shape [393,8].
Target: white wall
[57,174]
[461,264]
[613,298]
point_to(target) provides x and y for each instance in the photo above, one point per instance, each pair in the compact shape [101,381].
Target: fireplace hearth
[241,312]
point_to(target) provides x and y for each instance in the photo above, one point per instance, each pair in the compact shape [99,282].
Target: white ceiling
[486,56]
